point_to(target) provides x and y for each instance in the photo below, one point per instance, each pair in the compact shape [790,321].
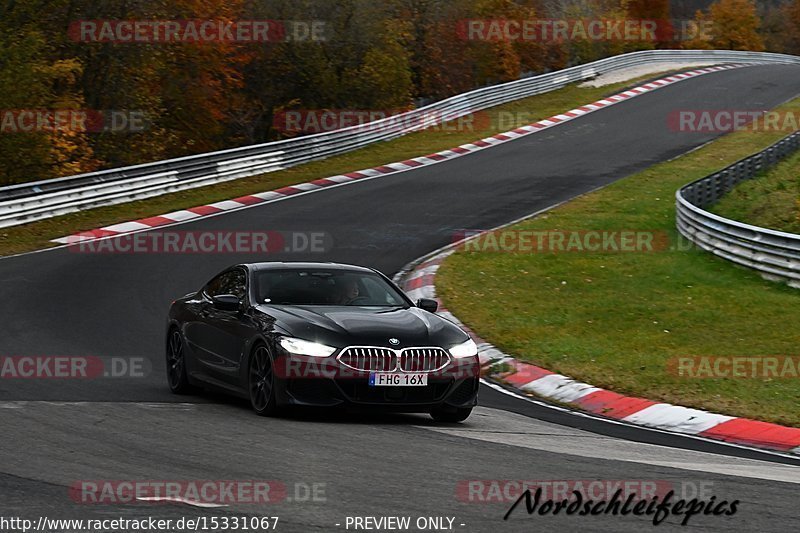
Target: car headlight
[465,349]
[301,347]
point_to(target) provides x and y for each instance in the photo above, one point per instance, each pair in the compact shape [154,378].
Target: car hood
[365,326]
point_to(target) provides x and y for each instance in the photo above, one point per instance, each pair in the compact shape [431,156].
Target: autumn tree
[439,58]
[504,59]
[386,55]
[734,25]
[115,77]
[32,79]
[657,11]
[582,50]
[792,28]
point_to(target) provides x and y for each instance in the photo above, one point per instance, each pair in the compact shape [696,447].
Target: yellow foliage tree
[792,19]
[734,25]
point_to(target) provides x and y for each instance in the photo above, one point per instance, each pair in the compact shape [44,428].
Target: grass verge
[770,201]
[617,320]
[37,235]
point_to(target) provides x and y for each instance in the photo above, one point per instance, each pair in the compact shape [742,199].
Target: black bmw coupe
[320,334]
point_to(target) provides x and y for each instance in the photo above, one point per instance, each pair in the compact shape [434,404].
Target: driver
[350,292]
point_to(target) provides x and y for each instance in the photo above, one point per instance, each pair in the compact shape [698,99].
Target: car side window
[236,283]
[232,282]
[212,287]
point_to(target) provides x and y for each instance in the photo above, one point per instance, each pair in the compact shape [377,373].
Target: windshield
[325,287]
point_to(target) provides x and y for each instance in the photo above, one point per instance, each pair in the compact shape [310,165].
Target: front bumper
[304,381]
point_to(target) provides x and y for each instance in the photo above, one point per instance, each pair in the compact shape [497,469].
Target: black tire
[261,382]
[176,364]
[451,415]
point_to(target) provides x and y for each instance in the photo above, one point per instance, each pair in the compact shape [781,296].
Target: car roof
[281,265]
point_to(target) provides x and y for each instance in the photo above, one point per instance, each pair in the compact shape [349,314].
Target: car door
[196,328]
[224,333]
[203,334]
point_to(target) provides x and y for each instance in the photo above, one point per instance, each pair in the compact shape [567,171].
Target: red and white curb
[528,378]
[384,170]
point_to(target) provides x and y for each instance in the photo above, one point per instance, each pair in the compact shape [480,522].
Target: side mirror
[426,304]
[226,302]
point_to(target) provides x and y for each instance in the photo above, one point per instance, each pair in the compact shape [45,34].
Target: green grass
[615,320]
[37,235]
[770,201]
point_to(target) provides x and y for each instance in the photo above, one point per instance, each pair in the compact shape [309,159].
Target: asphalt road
[113,306]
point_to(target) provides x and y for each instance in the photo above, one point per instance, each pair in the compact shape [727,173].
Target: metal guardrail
[43,199]
[775,254]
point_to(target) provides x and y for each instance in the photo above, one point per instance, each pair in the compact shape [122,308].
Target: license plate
[397,379]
